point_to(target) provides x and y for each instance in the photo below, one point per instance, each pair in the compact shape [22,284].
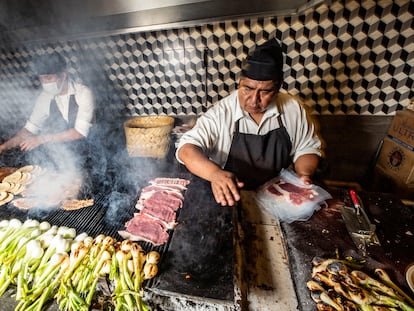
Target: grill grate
[93,219]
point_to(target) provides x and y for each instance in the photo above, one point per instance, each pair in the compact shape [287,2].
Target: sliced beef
[147,191]
[304,192]
[293,193]
[272,189]
[163,213]
[173,183]
[145,228]
[162,199]
[157,205]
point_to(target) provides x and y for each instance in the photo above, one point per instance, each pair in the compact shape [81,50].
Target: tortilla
[16,188]
[71,205]
[31,169]
[35,202]
[26,169]
[3,195]
[13,177]
[5,171]
[5,186]
[7,199]
[26,178]
[25,203]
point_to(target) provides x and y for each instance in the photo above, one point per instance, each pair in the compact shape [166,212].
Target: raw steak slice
[304,192]
[144,228]
[162,199]
[145,192]
[272,189]
[161,212]
[168,224]
[176,183]
[292,193]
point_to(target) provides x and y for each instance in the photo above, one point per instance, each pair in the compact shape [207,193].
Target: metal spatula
[361,230]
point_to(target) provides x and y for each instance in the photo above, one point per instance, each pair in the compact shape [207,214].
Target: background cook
[248,137]
[62,117]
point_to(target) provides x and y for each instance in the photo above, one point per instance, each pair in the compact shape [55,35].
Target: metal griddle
[199,259]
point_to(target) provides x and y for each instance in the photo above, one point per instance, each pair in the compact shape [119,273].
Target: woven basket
[148,136]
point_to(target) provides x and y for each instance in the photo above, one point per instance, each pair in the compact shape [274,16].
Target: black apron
[55,122]
[255,159]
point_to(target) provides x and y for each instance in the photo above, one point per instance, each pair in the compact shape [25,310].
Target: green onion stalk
[127,272]
[13,253]
[45,290]
[77,290]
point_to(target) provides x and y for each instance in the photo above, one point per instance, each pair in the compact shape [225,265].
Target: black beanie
[265,62]
[49,64]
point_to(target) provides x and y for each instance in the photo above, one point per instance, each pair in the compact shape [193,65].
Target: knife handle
[355,200]
[354,197]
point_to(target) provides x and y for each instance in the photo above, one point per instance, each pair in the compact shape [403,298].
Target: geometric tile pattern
[349,57]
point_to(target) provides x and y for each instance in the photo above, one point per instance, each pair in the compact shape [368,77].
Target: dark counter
[325,235]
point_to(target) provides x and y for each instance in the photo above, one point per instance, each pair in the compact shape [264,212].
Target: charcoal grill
[196,265]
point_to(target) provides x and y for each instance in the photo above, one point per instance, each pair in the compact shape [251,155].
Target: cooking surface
[197,262]
[325,233]
[199,259]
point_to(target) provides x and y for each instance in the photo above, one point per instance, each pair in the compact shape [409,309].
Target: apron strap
[279,120]
[73,111]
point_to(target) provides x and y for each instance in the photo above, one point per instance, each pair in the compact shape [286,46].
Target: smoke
[105,168]
[114,202]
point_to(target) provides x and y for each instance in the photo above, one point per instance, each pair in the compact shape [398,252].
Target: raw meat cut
[288,199]
[161,212]
[293,193]
[161,199]
[174,183]
[157,205]
[147,191]
[145,228]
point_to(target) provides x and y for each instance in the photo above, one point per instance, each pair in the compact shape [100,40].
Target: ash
[158,302]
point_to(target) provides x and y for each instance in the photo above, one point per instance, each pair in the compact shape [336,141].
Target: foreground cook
[63,113]
[248,137]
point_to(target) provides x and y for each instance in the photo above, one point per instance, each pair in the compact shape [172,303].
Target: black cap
[265,62]
[49,64]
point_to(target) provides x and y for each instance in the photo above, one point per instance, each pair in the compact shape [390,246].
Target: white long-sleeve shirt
[86,111]
[213,131]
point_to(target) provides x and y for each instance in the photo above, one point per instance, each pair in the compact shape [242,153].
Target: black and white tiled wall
[347,57]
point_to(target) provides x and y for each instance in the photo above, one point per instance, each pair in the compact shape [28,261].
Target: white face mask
[52,88]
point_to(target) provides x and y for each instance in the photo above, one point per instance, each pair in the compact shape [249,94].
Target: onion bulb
[150,270]
[153,257]
[15,223]
[4,223]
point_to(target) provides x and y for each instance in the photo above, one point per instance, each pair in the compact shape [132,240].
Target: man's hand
[225,187]
[31,143]
[306,179]
[224,184]
[2,148]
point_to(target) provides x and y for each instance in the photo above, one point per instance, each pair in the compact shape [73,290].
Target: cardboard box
[396,161]
[380,182]
[402,127]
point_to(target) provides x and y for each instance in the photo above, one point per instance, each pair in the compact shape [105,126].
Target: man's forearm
[306,164]
[196,162]
[65,136]
[16,139]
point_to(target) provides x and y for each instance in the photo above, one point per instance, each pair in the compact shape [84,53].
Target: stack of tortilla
[16,182]
[32,186]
